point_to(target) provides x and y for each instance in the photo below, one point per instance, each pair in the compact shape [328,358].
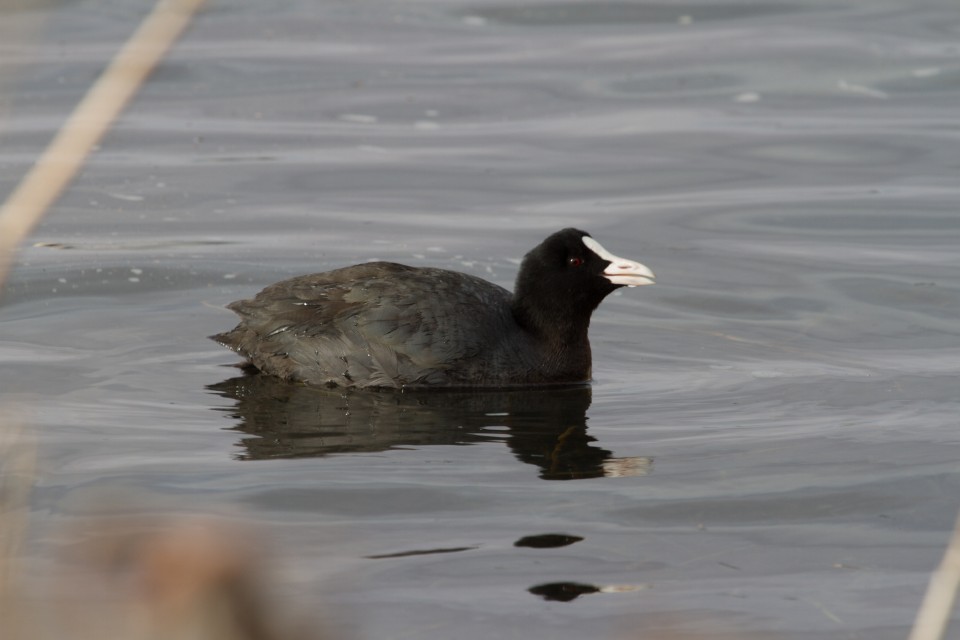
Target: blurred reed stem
[90,120]
[934,615]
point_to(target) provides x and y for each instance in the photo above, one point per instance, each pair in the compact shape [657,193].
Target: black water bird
[383,324]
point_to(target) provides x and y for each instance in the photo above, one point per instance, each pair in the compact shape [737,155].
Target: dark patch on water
[547,541]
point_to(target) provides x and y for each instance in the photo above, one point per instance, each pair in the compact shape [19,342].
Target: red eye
[575,262]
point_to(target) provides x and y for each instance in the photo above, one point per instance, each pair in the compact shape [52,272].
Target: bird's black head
[565,277]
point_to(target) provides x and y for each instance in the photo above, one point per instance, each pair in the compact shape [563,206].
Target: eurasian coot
[382,324]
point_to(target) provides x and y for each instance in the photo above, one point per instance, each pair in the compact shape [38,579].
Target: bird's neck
[552,320]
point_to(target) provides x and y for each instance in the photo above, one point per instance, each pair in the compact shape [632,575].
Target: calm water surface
[771,442]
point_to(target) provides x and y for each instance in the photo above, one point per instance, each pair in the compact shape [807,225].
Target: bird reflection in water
[546,427]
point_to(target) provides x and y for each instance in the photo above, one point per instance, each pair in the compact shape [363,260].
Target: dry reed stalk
[23,210]
[17,470]
[91,119]
[934,615]
[192,579]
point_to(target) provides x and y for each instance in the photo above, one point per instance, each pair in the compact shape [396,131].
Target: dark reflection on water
[562,591]
[417,552]
[547,541]
[543,427]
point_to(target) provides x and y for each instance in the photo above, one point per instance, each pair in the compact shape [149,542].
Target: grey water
[771,441]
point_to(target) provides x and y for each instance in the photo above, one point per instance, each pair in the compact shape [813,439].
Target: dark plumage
[383,324]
